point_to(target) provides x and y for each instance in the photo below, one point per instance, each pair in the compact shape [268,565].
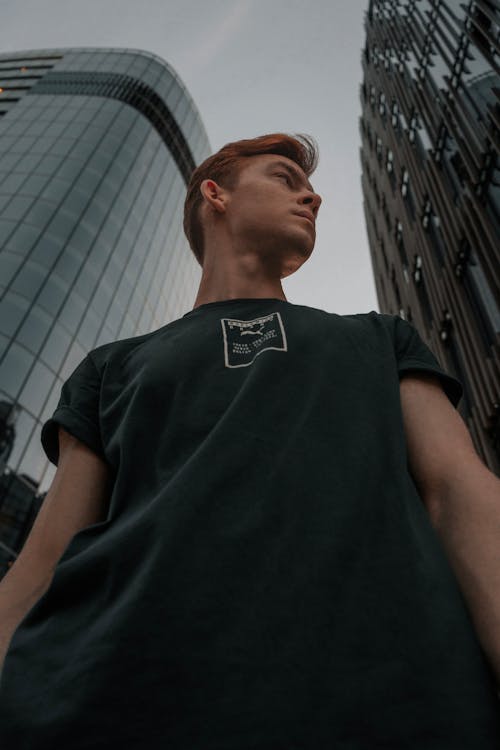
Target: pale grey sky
[252,67]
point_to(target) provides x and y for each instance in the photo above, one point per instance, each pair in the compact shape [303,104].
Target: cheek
[257,210]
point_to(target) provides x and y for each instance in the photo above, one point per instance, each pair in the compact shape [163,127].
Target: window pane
[30,279]
[24,424]
[14,369]
[63,146]
[4,343]
[43,145]
[12,183]
[12,309]
[68,265]
[55,348]
[34,329]
[52,294]
[40,213]
[61,225]
[56,189]
[73,311]
[9,264]
[46,250]
[37,388]
[17,207]
[48,164]
[22,239]
[34,184]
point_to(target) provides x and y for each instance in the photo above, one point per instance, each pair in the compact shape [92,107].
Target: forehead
[263,162]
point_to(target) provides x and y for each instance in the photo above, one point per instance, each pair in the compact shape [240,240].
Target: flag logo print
[244,340]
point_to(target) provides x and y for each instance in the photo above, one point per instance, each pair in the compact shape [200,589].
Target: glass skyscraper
[96,149]
[430,129]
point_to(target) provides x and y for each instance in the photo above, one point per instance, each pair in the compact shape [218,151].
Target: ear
[214,195]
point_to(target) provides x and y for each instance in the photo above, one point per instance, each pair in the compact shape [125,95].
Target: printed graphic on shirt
[246,339]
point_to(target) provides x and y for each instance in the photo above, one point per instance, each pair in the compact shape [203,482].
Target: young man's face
[263,213]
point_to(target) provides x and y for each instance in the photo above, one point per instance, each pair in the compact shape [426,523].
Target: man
[268,529]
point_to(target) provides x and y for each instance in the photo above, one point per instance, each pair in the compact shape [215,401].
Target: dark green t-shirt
[267,577]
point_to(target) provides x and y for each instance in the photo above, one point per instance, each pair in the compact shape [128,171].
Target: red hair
[224,168]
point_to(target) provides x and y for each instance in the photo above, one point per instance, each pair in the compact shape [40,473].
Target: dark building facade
[96,149]
[430,130]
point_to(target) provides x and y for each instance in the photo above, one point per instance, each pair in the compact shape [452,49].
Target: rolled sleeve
[77,411]
[413,354]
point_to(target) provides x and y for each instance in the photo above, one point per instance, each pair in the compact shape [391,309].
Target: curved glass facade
[97,148]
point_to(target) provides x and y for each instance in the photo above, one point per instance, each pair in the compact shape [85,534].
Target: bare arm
[466,515]
[78,497]
[463,500]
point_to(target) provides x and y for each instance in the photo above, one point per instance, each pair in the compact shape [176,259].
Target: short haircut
[224,168]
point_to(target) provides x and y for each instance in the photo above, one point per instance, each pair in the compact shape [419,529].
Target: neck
[243,277]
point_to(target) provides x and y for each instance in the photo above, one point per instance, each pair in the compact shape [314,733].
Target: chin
[293,264]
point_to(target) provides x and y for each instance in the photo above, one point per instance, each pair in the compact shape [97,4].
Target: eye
[286,176]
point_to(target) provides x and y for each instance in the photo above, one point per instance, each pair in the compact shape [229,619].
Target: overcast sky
[252,67]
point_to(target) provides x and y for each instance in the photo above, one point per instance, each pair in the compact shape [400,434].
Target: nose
[313,200]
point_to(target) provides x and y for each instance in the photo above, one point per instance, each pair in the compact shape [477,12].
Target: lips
[306,215]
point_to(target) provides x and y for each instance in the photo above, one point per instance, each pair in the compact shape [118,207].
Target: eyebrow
[293,172]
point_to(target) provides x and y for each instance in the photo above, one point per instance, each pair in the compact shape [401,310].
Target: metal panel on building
[430,129]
